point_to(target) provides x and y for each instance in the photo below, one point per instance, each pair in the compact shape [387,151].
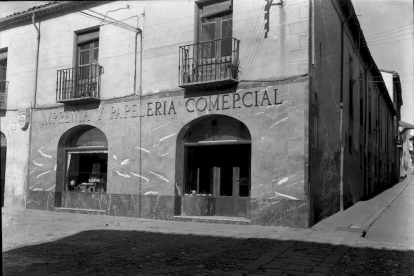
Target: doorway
[222,172]
[217,163]
[3,148]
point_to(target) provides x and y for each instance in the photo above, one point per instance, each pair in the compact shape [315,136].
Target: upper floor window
[3,64]
[361,101]
[3,82]
[82,82]
[216,23]
[351,87]
[87,52]
[213,60]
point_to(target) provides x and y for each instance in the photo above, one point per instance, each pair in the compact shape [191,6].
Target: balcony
[3,94]
[209,64]
[79,85]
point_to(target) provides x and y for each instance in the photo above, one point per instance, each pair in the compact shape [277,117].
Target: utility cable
[395,35]
[388,42]
[259,45]
[388,31]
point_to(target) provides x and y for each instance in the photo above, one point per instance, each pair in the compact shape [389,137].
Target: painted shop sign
[164,108]
[24,117]
[61,117]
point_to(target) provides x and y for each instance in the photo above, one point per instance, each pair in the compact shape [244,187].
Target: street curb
[367,224]
[352,239]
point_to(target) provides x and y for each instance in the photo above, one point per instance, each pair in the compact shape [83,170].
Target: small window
[351,87]
[3,64]
[3,74]
[369,123]
[315,131]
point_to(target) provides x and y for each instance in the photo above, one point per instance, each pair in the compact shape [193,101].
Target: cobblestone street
[375,259]
[75,244]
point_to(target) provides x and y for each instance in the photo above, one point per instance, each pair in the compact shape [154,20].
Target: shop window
[87,161]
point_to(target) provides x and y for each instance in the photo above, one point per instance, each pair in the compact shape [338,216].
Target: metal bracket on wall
[267,14]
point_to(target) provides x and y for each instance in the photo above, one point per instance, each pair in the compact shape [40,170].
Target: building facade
[270,114]
[405,146]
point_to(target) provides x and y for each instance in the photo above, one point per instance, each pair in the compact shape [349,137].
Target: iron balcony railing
[79,83]
[3,94]
[209,61]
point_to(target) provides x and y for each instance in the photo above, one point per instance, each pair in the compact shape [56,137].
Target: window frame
[218,24]
[351,86]
[71,150]
[94,33]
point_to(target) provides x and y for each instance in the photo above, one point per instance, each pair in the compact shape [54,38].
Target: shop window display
[87,161]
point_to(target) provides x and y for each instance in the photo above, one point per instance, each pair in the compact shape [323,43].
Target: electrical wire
[249,50]
[114,20]
[259,45]
[126,26]
[391,39]
[390,36]
[389,42]
[369,36]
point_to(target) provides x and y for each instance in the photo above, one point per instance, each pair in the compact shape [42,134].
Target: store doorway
[223,172]
[217,154]
[3,148]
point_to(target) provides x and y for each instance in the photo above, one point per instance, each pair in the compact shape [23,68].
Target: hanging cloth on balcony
[215,9]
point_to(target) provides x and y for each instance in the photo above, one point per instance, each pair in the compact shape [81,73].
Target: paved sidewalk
[396,224]
[363,214]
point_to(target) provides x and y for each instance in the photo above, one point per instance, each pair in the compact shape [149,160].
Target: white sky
[389,30]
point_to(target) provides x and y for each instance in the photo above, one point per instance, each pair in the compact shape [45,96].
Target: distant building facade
[406,148]
[194,110]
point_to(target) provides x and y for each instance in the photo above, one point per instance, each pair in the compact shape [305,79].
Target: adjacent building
[406,148]
[269,113]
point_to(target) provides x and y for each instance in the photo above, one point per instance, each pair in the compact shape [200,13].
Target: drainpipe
[138,32]
[140,106]
[341,172]
[32,104]
[366,125]
[37,59]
